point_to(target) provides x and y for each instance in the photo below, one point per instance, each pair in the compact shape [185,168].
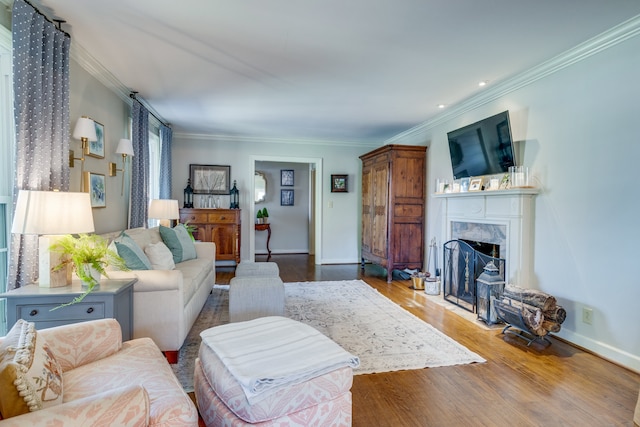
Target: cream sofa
[104,381]
[166,303]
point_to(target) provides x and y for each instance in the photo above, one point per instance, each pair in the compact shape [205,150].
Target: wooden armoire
[393,207]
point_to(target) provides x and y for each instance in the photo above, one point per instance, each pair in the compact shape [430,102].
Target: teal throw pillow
[132,254]
[179,242]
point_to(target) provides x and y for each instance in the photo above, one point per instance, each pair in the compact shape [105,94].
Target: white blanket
[269,353]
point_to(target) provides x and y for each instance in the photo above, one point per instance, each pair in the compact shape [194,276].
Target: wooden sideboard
[221,226]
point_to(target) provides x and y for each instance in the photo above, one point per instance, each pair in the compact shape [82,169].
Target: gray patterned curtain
[41,108]
[166,135]
[139,166]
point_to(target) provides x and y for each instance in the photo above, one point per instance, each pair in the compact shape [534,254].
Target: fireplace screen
[462,266]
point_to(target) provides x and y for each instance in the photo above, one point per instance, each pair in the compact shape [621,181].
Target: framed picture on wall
[96,148]
[95,184]
[210,179]
[286,197]
[286,177]
[339,183]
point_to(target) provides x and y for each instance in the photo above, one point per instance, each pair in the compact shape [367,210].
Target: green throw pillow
[179,243]
[132,254]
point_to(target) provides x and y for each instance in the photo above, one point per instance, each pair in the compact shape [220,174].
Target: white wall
[577,129]
[89,97]
[340,225]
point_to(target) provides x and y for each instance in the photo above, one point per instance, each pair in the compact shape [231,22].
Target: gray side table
[114,299]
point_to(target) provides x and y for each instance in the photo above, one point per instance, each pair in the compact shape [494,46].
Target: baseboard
[605,351]
[327,261]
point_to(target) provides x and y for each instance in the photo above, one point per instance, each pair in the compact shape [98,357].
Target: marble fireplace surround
[502,217]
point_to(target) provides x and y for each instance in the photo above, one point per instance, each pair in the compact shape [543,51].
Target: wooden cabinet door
[225,237]
[367,209]
[380,184]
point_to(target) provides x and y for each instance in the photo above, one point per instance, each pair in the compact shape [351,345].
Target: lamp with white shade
[125,147]
[85,131]
[165,210]
[49,214]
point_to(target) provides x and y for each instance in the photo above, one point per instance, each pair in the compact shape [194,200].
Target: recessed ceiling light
[441,106]
[483,83]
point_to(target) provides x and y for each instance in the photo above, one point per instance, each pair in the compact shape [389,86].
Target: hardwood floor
[558,385]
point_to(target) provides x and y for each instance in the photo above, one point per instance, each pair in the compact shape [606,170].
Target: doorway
[314,202]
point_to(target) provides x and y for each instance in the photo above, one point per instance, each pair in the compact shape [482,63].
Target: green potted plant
[265,215]
[190,229]
[87,255]
[260,217]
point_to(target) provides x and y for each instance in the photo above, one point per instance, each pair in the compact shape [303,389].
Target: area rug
[364,322]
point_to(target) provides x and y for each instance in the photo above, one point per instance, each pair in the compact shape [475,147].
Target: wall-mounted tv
[482,148]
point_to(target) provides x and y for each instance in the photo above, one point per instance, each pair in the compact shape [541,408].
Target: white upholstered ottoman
[251,297]
[260,269]
[323,400]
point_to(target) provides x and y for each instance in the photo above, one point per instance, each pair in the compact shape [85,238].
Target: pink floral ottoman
[321,401]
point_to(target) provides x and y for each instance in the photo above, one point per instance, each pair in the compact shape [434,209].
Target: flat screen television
[482,148]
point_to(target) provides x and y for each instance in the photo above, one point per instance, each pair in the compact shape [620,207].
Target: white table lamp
[47,214]
[164,210]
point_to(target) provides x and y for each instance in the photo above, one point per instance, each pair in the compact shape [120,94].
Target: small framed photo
[210,179]
[95,185]
[339,183]
[286,197]
[286,177]
[475,184]
[96,148]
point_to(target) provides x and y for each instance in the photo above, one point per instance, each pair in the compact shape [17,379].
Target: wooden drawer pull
[33,313]
[90,310]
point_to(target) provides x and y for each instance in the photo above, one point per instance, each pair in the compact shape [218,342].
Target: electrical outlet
[587,315]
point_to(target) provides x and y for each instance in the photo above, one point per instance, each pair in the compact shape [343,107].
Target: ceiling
[335,70]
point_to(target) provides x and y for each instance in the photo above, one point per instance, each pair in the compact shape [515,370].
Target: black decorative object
[188,195]
[235,197]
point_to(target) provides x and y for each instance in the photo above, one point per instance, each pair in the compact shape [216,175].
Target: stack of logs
[539,311]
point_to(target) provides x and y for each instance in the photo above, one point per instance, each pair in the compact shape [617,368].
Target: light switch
[330,204]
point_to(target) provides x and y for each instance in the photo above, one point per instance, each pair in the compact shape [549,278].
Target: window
[154,169]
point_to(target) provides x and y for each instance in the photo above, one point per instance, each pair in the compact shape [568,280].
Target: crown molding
[272,140]
[103,75]
[593,46]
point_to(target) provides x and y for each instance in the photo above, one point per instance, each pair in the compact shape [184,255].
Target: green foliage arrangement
[190,230]
[259,215]
[265,213]
[86,249]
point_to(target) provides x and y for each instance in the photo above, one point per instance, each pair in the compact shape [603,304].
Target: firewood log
[550,325]
[533,297]
[556,314]
[531,317]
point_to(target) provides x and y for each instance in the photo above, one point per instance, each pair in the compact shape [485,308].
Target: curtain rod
[59,22]
[134,95]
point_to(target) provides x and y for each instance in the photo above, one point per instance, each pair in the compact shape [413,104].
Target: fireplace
[463,266]
[502,218]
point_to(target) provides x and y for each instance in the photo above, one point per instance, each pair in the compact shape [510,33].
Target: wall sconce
[49,214]
[165,210]
[125,147]
[85,131]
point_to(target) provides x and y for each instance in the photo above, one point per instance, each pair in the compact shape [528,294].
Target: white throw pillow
[160,256]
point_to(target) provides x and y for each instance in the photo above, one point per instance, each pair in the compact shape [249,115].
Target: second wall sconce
[125,147]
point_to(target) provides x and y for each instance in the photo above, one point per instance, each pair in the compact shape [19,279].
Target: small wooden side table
[114,298]
[262,227]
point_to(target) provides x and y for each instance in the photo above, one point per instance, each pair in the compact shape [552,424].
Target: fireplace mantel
[509,210]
